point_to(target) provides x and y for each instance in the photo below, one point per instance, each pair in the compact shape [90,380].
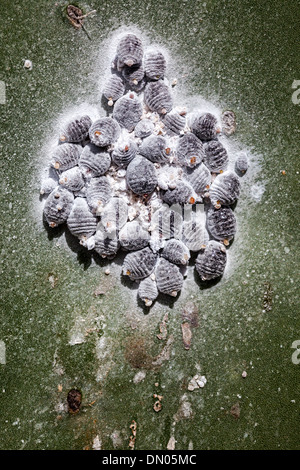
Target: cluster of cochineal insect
[135,179]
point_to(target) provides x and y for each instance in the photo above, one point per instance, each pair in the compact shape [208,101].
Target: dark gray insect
[81,222]
[94,161]
[199,178]
[144,128]
[175,121]
[205,127]
[72,179]
[221,223]
[225,189]
[155,149]
[176,252]
[106,244]
[124,151]
[181,194]
[228,122]
[166,223]
[104,132]
[241,163]
[216,157]
[133,75]
[114,89]
[155,64]
[148,291]
[65,156]
[139,264]
[133,236]
[141,176]
[76,130]
[211,261]
[169,279]
[58,206]
[128,111]
[194,234]
[158,97]
[190,151]
[129,51]
[98,193]
[114,215]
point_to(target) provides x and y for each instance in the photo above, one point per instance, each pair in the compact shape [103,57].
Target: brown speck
[235,410]
[74,400]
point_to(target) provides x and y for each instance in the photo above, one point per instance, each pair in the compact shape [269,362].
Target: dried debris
[267,297]
[157,405]
[171,443]
[75,16]
[163,328]
[74,400]
[164,355]
[190,319]
[132,438]
[186,335]
[198,381]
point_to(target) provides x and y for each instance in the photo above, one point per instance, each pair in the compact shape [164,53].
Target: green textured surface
[238,55]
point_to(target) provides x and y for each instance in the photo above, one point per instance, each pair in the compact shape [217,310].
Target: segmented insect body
[104,132]
[194,234]
[216,157]
[98,193]
[166,222]
[181,194]
[106,244]
[148,291]
[158,97]
[241,163]
[169,279]
[211,261]
[72,179]
[58,206]
[155,64]
[128,111]
[155,149]
[124,151]
[77,130]
[129,51]
[144,128]
[176,252]
[228,122]
[94,161]
[133,75]
[141,176]
[65,156]
[81,222]
[114,214]
[133,236]
[175,121]
[47,185]
[139,264]
[205,126]
[190,150]
[199,178]
[114,89]
[221,223]
[225,189]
